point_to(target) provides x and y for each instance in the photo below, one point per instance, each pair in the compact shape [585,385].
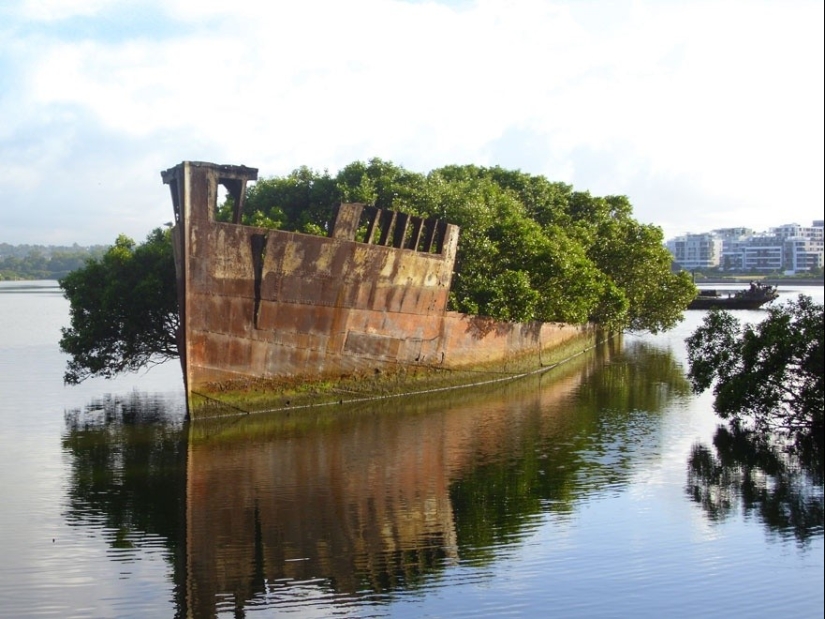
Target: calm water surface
[569,494]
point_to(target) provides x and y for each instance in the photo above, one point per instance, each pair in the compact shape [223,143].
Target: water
[568,495]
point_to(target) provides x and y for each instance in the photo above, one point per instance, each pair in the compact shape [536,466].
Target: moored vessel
[749,298]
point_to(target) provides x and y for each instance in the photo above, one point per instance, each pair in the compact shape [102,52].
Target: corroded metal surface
[370,297]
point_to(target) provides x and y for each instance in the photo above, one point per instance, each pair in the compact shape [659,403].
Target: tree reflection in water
[611,427]
[780,485]
[128,475]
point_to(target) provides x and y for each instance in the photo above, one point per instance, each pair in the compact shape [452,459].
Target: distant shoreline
[779,281]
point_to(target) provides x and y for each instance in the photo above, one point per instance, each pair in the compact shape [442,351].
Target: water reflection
[348,505]
[784,489]
[127,475]
[556,456]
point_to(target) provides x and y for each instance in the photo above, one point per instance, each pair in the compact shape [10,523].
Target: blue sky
[705,114]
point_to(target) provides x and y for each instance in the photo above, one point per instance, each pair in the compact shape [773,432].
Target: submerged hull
[265,312]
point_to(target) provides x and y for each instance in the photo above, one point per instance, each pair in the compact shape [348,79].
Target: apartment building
[789,248]
[696,251]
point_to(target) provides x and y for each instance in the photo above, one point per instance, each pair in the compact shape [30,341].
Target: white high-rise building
[696,251]
[789,248]
[734,241]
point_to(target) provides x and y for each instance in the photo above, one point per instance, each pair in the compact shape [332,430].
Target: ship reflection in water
[342,507]
[340,503]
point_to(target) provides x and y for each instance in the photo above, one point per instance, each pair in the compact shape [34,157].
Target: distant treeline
[18,262]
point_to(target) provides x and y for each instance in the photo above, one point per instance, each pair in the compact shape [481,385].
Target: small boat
[750,298]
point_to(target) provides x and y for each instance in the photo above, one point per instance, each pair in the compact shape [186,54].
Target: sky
[705,114]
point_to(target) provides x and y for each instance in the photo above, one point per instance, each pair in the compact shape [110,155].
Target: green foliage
[301,201]
[529,249]
[123,309]
[631,255]
[769,373]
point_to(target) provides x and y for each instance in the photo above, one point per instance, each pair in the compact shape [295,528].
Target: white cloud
[55,10]
[721,99]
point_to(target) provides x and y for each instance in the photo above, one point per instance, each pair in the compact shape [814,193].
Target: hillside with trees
[26,262]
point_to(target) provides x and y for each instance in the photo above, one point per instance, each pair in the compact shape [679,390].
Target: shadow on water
[349,505]
[783,488]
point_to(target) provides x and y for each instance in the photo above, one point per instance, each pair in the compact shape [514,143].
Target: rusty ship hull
[271,310]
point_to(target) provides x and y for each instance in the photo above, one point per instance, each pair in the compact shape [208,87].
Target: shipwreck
[272,319]
[748,299]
